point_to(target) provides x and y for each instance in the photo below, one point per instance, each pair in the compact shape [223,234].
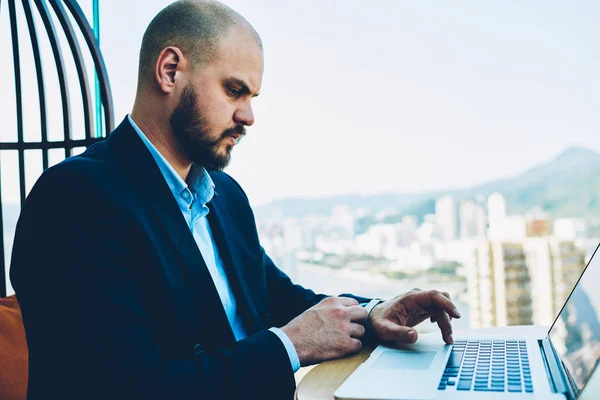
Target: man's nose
[244,116]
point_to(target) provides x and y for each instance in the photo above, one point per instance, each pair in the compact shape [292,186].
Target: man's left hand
[391,322]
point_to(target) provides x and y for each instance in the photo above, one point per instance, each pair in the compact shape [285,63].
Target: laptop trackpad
[404,360]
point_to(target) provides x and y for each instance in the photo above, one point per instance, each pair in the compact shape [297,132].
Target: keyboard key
[463,385]
[514,388]
[455,359]
[489,389]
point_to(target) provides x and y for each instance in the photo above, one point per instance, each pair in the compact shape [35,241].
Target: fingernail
[456,313]
[411,336]
[451,339]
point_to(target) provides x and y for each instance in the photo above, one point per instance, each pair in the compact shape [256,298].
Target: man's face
[215,107]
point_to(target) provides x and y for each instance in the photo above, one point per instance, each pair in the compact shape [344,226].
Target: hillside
[568,185]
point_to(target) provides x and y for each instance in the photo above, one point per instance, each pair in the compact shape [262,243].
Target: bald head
[195,27]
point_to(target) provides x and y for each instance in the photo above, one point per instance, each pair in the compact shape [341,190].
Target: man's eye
[233,92]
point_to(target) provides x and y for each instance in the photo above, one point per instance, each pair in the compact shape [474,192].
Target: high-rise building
[570,228]
[496,214]
[568,261]
[511,285]
[473,221]
[521,282]
[445,212]
[477,262]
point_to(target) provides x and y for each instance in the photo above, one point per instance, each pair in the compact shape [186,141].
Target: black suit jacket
[116,298]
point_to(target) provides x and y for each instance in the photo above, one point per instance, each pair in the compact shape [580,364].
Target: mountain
[568,185]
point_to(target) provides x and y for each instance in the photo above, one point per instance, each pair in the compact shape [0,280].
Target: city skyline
[505,269]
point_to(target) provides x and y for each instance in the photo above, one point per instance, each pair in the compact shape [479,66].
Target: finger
[436,299]
[357,331]
[443,321]
[348,301]
[391,332]
[357,313]
[434,319]
[449,298]
[355,345]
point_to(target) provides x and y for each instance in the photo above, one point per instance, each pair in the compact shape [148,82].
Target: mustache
[238,130]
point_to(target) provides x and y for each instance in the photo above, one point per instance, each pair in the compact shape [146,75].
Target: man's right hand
[328,330]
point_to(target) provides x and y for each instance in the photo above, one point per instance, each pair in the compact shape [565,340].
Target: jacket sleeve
[86,317]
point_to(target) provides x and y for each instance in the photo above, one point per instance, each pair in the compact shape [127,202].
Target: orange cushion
[13,351]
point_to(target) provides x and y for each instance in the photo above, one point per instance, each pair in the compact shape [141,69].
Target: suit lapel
[149,181]
[226,240]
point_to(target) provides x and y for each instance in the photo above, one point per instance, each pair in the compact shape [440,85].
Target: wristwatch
[369,307]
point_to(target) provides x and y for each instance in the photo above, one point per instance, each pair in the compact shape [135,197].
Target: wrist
[370,307]
[291,333]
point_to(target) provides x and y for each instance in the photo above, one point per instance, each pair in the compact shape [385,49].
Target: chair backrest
[86,118]
[97,115]
[13,351]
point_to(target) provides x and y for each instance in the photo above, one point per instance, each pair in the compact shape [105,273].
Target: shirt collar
[199,186]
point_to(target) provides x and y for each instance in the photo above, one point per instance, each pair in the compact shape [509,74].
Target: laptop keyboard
[488,366]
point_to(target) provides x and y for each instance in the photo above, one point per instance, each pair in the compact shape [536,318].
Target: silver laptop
[530,364]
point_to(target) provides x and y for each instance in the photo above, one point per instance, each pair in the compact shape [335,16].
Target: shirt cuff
[289,347]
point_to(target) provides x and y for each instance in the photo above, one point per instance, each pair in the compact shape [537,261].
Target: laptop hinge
[554,370]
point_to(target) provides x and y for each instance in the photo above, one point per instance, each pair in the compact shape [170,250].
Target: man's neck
[163,140]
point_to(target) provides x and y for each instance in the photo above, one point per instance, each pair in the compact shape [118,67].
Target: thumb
[389,331]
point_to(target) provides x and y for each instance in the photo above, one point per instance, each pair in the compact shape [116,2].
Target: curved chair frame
[61,9]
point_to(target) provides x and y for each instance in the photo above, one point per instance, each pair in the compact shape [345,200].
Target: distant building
[555,265]
[430,230]
[538,223]
[496,214]
[407,230]
[445,212]
[380,241]
[522,282]
[570,228]
[473,220]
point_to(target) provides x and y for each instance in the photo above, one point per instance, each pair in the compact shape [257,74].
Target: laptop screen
[576,331]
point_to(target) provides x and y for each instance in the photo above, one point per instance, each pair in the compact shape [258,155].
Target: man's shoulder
[93,169]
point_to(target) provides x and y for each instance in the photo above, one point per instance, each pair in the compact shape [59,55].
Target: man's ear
[168,69]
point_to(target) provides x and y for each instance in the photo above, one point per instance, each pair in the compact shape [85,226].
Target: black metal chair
[43,19]
[52,22]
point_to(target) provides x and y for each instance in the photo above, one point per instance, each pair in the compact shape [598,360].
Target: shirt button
[185,195]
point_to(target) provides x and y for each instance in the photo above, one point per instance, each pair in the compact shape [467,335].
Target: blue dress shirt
[192,198]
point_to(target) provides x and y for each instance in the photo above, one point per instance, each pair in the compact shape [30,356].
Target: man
[138,265]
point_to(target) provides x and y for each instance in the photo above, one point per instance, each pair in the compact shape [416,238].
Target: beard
[193,137]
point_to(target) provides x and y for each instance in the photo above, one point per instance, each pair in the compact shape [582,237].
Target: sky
[396,96]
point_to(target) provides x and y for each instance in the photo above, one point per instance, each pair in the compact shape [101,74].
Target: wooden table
[320,382]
